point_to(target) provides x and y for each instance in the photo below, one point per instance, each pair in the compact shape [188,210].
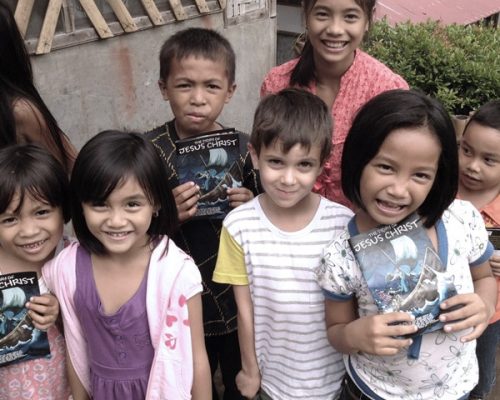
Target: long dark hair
[16,82]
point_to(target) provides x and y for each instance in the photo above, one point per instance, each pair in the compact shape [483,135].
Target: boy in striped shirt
[270,247]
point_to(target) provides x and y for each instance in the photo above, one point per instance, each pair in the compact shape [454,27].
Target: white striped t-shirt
[295,359]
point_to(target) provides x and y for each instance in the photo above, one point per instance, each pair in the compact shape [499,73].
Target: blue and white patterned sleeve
[335,272]
[481,249]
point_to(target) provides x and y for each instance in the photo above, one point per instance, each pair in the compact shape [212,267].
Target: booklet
[19,339]
[494,237]
[403,272]
[211,161]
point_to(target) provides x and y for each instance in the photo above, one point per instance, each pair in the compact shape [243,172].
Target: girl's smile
[398,179]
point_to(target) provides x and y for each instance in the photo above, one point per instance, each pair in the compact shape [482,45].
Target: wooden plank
[48,27]
[202,6]
[177,9]
[222,4]
[121,12]
[153,12]
[68,17]
[96,18]
[22,15]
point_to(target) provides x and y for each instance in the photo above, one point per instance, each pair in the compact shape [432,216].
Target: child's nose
[116,219]
[399,188]
[198,97]
[335,27]
[28,228]
[288,177]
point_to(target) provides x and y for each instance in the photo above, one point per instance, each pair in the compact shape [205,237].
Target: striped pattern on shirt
[295,359]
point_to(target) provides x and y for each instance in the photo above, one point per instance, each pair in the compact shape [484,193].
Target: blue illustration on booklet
[403,271]
[211,161]
[19,339]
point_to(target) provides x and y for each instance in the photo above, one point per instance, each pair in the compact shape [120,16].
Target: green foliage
[459,65]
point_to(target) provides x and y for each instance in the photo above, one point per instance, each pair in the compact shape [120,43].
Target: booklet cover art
[404,272]
[19,339]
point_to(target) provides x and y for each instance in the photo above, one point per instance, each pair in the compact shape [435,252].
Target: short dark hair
[304,71]
[399,109]
[487,115]
[30,169]
[198,42]
[103,163]
[293,116]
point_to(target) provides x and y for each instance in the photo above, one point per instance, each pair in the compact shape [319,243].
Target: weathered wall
[112,84]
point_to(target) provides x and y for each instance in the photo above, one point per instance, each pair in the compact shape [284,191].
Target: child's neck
[479,199]
[185,135]
[291,219]
[10,264]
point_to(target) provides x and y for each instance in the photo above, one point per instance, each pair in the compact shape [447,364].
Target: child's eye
[351,17]
[384,168]
[490,161]
[305,165]
[423,176]
[133,204]
[465,150]
[8,220]
[274,162]
[213,86]
[44,211]
[182,86]
[98,204]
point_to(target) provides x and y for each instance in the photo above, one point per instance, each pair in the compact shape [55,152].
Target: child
[270,248]
[479,183]
[34,204]
[333,67]
[197,69]
[407,164]
[129,297]
[24,117]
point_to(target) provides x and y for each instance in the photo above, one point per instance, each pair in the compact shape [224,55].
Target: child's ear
[254,156]
[230,91]
[163,89]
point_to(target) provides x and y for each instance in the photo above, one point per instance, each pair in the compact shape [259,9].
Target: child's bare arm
[186,199]
[43,310]
[202,383]
[248,379]
[239,196]
[77,390]
[372,335]
[477,308]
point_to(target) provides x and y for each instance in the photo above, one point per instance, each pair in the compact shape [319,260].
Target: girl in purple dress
[130,298]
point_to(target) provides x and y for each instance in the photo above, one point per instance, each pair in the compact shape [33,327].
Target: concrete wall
[112,84]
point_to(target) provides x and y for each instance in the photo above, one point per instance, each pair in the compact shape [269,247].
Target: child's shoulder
[243,214]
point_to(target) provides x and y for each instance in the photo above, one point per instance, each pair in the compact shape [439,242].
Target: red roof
[447,11]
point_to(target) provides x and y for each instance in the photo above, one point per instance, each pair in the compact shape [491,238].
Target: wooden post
[22,15]
[49,27]
[222,4]
[202,6]
[177,9]
[152,10]
[96,18]
[121,12]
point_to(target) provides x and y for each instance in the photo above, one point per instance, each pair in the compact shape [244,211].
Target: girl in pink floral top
[34,205]
[334,68]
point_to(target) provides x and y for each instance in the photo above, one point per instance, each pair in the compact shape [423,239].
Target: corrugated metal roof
[447,11]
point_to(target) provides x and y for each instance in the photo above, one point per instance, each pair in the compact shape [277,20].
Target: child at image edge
[130,299]
[34,205]
[197,71]
[332,66]
[408,163]
[270,248]
[479,183]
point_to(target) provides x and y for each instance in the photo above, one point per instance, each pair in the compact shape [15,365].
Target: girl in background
[130,299]
[408,163]
[333,67]
[34,205]
[24,117]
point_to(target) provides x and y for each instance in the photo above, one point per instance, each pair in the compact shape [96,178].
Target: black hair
[400,109]
[103,164]
[304,71]
[292,116]
[487,115]
[16,83]
[198,42]
[29,169]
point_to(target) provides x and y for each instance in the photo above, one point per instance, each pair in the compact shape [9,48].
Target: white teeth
[335,45]
[33,245]
[117,234]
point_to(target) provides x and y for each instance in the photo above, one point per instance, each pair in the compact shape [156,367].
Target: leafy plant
[459,65]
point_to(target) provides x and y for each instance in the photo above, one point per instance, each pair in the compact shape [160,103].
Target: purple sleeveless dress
[119,346]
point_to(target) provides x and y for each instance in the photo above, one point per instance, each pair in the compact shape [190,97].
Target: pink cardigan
[172,279]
